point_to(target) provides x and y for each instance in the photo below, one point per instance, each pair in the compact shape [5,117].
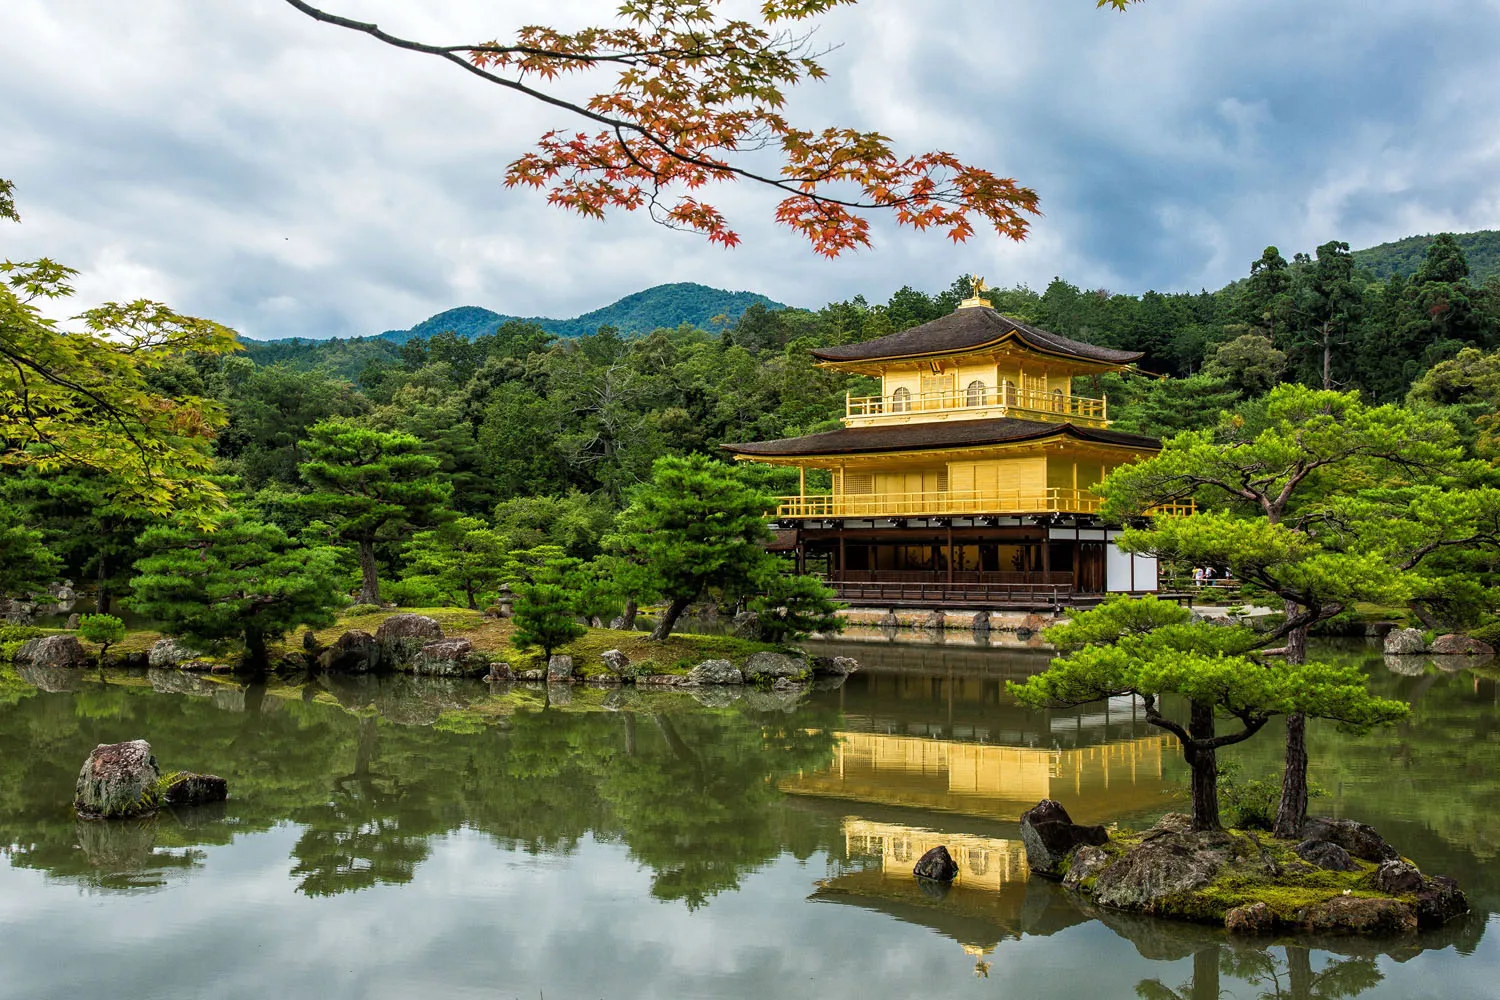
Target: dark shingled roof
[967,329]
[937,434]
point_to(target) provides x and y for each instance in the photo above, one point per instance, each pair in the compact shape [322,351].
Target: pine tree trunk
[1205,765]
[473,604]
[369,588]
[1299,972]
[1327,359]
[1291,812]
[256,655]
[102,601]
[627,620]
[669,618]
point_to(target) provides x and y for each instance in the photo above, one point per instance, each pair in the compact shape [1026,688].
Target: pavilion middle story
[968,482]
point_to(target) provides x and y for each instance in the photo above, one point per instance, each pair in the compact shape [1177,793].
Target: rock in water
[1050,835]
[174,653]
[1325,855]
[1439,902]
[773,665]
[747,626]
[834,666]
[1460,645]
[188,789]
[401,637]
[53,651]
[118,781]
[560,667]
[616,662]
[937,865]
[354,652]
[714,672]
[1088,861]
[1405,641]
[1358,839]
[1249,921]
[447,658]
[1359,915]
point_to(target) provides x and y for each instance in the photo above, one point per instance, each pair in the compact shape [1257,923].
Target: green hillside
[1403,257]
[660,306]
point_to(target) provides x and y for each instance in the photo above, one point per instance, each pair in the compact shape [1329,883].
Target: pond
[380,841]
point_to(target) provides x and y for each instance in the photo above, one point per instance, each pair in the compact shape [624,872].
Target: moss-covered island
[1342,878]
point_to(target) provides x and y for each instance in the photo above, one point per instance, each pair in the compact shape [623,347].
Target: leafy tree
[271,408]
[1206,665]
[695,95]
[694,526]
[242,579]
[1270,482]
[85,397]
[26,564]
[370,486]
[792,606]
[1249,363]
[1329,301]
[1444,261]
[544,616]
[463,556]
[106,630]
[1468,387]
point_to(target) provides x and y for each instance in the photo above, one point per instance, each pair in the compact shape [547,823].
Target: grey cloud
[289,178]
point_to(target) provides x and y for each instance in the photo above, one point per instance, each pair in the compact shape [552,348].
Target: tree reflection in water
[1287,976]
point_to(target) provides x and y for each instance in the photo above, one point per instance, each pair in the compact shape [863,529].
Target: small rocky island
[123,781]
[1342,878]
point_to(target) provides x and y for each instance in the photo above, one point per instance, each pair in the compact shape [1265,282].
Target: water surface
[382,841]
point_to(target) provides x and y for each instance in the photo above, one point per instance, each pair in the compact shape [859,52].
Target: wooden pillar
[842,564]
[802,483]
[1046,555]
[950,552]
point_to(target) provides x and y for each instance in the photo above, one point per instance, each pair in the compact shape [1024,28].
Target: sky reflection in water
[380,843]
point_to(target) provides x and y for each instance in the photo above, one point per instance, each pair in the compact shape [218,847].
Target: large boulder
[1399,878]
[1361,915]
[354,652]
[560,668]
[1162,867]
[1250,921]
[1460,645]
[447,658]
[617,663]
[935,620]
[937,865]
[1325,855]
[980,622]
[401,637]
[118,781]
[1439,902]
[1358,839]
[175,654]
[770,666]
[53,651]
[714,672]
[188,789]
[834,666]
[1088,861]
[1405,641]
[1050,835]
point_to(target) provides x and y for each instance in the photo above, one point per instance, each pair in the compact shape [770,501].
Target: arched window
[974,394]
[901,400]
[1058,403]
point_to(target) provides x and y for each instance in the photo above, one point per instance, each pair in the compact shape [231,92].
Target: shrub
[362,609]
[1487,633]
[13,637]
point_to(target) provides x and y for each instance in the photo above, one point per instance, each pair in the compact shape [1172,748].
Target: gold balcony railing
[991,401]
[1054,500]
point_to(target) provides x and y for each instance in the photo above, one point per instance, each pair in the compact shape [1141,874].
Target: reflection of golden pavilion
[1097,783]
[983,862]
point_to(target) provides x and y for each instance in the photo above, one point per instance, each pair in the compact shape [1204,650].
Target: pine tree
[463,557]
[545,617]
[371,487]
[26,564]
[694,525]
[241,580]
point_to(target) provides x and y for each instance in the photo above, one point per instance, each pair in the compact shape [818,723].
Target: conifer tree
[463,556]
[370,486]
[545,617]
[26,564]
[694,525]
[242,579]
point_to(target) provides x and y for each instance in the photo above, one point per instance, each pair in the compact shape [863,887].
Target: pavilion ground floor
[991,563]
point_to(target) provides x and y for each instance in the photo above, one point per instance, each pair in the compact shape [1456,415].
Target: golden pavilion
[967,482]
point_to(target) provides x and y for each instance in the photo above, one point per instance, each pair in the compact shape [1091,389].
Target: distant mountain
[661,306]
[1403,257]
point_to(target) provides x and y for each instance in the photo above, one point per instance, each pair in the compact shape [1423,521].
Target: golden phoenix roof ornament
[977,288]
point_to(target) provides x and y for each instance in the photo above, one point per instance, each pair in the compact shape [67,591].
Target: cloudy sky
[242,162]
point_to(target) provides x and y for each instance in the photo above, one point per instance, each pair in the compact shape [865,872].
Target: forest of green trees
[392,470]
